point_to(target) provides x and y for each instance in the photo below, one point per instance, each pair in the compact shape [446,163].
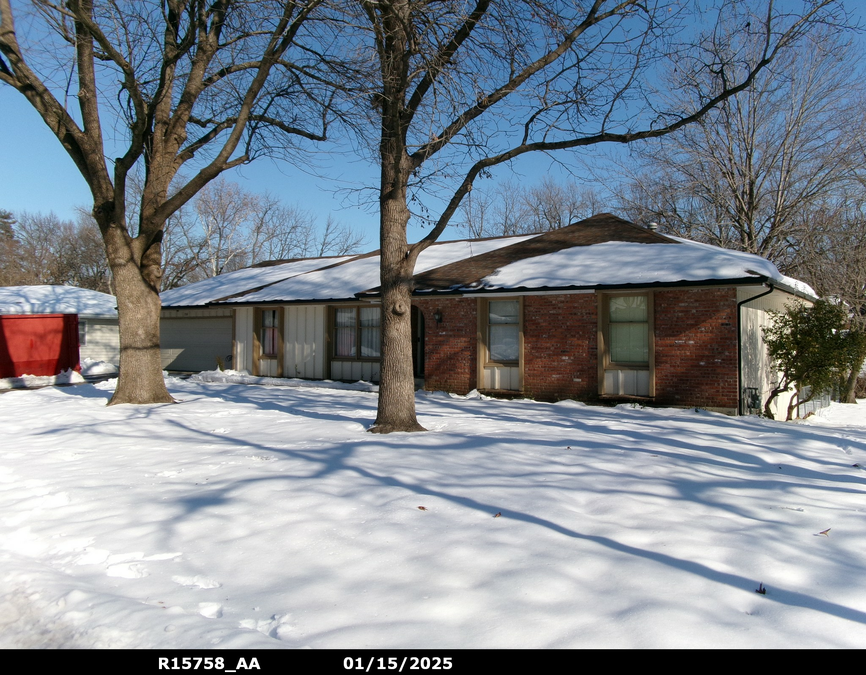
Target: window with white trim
[503,331]
[629,329]
[627,345]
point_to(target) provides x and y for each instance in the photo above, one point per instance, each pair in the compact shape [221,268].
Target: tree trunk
[140,375]
[850,393]
[396,410]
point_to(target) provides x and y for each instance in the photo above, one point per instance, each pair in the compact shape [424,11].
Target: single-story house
[47,329]
[599,310]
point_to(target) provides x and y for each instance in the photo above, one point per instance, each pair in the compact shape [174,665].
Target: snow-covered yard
[252,516]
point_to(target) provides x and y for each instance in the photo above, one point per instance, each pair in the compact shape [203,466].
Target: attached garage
[196,339]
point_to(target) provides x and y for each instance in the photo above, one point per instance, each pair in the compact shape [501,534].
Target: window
[270,336]
[357,332]
[268,342]
[626,334]
[82,333]
[500,344]
[629,334]
[503,331]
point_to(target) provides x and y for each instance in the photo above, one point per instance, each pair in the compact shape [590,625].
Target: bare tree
[502,211]
[217,238]
[172,84]
[229,228]
[749,175]
[459,88]
[510,208]
[337,239]
[47,250]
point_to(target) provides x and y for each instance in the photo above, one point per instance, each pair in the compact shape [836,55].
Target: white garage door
[196,344]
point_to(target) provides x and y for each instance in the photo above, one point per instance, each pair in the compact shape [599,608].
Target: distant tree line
[43,249]
[225,228]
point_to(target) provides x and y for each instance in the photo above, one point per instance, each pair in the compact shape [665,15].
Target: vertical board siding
[243,357]
[354,371]
[304,340]
[502,378]
[758,369]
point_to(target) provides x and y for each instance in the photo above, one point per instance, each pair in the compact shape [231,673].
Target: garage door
[196,344]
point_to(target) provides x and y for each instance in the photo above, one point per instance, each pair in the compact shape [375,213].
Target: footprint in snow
[127,571]
[198,581]
[210,610]
[277,626]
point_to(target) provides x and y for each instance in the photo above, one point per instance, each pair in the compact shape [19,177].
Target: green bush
[811,348]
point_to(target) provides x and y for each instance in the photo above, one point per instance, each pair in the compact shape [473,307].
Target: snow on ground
[252,516]
[238,377]
[68,376]
[94,368]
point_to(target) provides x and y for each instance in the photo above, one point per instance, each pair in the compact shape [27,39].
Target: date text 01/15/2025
[207,663]
[398,664]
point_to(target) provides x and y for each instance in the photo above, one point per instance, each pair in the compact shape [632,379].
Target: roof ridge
[597,229]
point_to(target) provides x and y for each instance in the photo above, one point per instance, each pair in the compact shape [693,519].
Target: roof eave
[741,281]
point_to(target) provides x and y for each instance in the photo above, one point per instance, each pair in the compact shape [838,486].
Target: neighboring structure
[600,310]
[47,329]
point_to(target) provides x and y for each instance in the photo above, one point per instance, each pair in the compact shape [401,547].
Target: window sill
[351,359]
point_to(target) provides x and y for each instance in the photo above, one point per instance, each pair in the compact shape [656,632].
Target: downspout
[740,304]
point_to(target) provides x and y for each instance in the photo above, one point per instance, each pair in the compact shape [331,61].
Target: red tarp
[38,344]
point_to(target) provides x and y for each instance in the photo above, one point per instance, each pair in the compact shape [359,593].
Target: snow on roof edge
[48,299]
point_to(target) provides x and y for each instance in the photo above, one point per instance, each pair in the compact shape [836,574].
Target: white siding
[757,368]
[269,368]
[626,382]
[243,353]
[355,370]
[502,377]
[304,341]
[102,340]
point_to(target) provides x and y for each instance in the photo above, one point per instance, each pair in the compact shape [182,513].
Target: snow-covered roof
[56,300]
[345,281]
[242,281]
[618,263]
[601,251]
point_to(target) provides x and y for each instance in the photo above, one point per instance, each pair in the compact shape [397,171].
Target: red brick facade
[560,346]
[696,347]
[695,336]
[450,347]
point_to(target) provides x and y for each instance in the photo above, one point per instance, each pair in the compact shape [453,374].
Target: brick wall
[696,347]
[451,347]
[560,338]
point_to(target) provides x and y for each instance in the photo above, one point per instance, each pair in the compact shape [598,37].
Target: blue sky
[37,175]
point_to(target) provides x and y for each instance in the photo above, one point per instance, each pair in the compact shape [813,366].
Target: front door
[417,342]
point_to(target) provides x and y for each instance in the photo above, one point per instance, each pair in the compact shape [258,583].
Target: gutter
[740,401]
